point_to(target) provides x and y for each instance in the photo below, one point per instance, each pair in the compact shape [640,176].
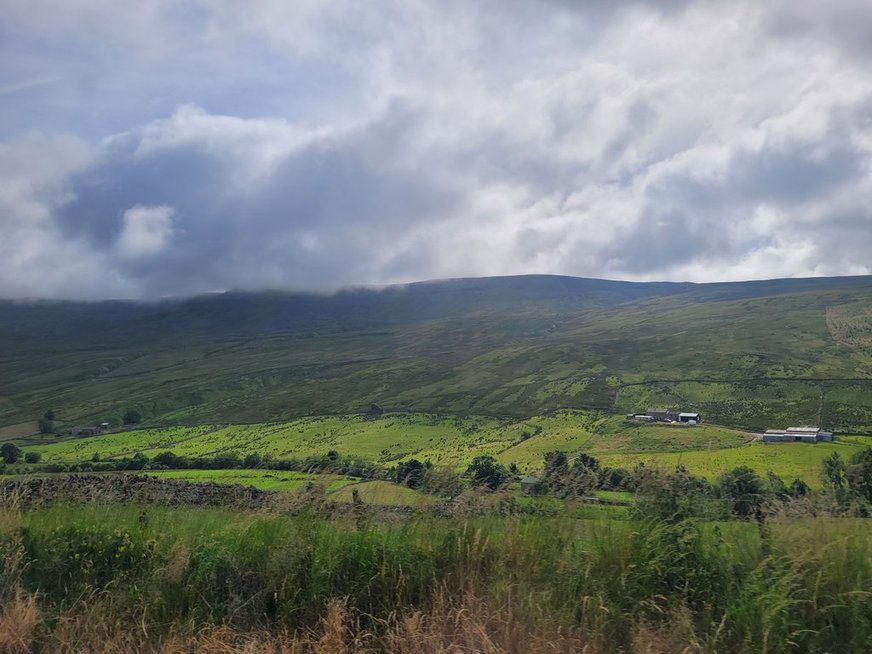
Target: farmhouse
[89,431]
[797,435]
[667,415]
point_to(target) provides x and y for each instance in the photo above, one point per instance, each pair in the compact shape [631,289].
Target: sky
[167,148]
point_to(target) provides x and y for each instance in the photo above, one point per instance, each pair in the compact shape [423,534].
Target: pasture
[453,441]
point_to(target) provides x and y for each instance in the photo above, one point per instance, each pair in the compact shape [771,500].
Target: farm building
[667,415]
[89,431]
[797,435]
[528,484]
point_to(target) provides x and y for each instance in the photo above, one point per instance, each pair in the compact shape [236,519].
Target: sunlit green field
[789,460]
[706,450]
[443,440]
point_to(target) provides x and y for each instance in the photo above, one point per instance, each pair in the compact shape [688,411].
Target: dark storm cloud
[315,215]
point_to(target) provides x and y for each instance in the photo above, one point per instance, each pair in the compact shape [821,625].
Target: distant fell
[747,353]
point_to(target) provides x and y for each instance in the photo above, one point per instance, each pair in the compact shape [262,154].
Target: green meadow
[453,441]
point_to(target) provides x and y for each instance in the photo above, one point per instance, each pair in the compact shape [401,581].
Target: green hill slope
[750,354]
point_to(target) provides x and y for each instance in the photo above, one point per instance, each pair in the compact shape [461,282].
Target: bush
[410,473]
[32,457]
[675,496]
[485,471]
[131,417]
[10,453]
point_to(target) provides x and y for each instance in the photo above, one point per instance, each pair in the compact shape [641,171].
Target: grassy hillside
[706,450]
[751,354]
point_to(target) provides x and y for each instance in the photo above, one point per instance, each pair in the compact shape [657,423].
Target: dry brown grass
[19,621]
[10,509]
[453,626]
[472,625]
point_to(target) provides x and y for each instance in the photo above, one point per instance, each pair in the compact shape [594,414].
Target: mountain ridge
[513,345]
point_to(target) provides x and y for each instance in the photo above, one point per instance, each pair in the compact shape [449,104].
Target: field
[706,450]
[788,460]
[159,579]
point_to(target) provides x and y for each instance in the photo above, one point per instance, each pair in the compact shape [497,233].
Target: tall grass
[182,578]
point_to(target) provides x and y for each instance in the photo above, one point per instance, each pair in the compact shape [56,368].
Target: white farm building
[797,435]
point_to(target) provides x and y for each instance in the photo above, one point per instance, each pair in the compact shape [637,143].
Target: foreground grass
[82,580]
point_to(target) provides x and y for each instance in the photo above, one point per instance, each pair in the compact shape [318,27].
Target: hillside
[747,354]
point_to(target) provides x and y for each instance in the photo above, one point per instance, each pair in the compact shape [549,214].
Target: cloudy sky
[174,147]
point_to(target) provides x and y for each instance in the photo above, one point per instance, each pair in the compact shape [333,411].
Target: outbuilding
[797,435]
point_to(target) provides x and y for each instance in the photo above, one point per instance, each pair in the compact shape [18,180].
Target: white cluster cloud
[175,148]
[145,231]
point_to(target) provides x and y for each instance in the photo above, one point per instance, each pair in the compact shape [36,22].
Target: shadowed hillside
[749,354]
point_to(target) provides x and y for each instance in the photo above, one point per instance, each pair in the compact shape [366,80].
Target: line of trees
[677,494]
[331,463]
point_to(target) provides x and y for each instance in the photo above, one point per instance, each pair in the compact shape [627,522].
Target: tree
[556,464]
[254,459]
[485,471]
[45,426]
[833,471]
[834,474]
[32,457]
[10,452]
[49,415]
[744,490]
[138,462]
[166,459]
[860,475]
[777,487]
[131,417]
[586,461]
[410,473]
